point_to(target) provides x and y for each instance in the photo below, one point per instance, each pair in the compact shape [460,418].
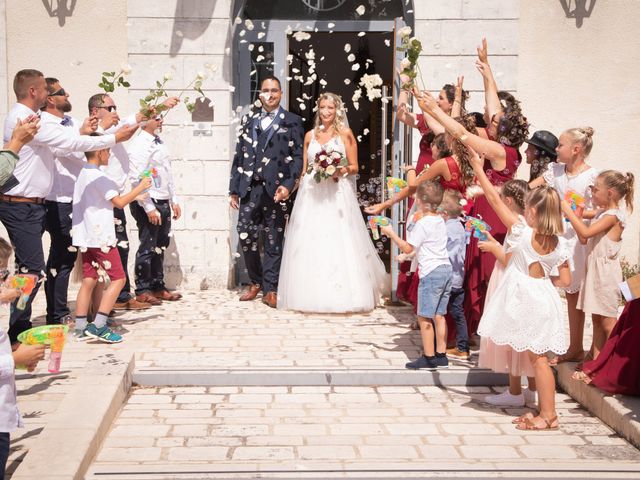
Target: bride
[329,263]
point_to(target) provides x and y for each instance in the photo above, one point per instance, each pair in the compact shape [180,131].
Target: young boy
[93,233]
[457,248]
[428,237]
[27,355]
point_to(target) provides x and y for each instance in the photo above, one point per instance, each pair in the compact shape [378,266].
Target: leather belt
[18,199]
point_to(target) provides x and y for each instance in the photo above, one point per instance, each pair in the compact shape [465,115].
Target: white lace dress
[329,263]
[526,313]
[556,176]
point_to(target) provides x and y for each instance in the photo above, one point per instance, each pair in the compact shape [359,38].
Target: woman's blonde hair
[338,122]
[546,202]
[621,183]
[583,136]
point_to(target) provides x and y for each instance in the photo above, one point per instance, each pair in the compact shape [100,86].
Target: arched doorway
[326,45]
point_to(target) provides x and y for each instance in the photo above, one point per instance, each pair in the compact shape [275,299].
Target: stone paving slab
[212,329]
[286,428]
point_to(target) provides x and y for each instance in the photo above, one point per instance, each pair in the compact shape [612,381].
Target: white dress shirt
[67,164]
[35,168]
[117,168]
[9,414]
[146,152]
[266,118]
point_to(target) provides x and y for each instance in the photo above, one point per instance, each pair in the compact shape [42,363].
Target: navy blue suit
[265,160]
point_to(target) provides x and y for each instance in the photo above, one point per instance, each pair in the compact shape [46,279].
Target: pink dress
[502,358]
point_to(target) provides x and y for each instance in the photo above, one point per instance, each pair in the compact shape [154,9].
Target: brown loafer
[166,295]
[131,304]
[271,299]
[146,297]
[250,293]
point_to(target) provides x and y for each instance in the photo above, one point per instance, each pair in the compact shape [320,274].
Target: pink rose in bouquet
[326,163]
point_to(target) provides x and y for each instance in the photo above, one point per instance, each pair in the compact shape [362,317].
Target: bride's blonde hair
[339,122]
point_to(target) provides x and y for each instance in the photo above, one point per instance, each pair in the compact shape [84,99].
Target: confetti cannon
[152,173]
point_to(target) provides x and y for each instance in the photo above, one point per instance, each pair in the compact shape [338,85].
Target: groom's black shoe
[271,299]
[250,293]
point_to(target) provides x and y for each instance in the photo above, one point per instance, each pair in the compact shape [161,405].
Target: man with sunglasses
[104,108]
[22,209]
[59,203]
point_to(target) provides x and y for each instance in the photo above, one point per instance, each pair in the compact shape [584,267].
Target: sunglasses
[58,93]
[110,108]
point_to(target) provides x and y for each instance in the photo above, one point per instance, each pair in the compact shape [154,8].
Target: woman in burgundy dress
[617,368]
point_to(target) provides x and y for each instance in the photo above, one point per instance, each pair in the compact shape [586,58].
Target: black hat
[544,140]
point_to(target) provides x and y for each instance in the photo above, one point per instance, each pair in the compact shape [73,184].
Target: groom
[266,167]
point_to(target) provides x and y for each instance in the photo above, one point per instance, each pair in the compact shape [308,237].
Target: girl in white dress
[525,311]
[329,263]
[571,172]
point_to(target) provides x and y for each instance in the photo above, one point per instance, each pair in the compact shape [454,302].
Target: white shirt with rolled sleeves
[9,414]
[145,153]
[92,220]
[67,164]
[118,167]
[35,168]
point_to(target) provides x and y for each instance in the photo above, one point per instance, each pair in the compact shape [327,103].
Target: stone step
[453,376]
[349,432]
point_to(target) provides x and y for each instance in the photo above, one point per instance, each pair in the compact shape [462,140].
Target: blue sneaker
[441,360]
[428,363]
[103,334]
[79,335]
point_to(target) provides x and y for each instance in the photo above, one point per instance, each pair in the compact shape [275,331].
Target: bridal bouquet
[326,163]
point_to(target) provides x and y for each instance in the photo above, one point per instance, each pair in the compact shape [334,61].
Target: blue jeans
[4,452]
[433,292]
[456,302]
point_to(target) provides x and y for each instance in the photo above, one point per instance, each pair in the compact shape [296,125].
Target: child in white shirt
[93,233]
[428,237]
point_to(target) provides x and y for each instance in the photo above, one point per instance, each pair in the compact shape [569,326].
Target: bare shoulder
[347,136]
[308,135]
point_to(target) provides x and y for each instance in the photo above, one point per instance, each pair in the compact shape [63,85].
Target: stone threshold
[620,412]
[73,435]
[454,376]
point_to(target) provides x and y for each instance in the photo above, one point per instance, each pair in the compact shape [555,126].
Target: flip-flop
[529,425]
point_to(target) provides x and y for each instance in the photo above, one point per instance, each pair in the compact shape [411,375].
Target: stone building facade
[568,70]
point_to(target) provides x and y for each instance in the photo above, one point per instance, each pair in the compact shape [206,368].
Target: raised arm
[507,217]
[456,109]
[438,168]
[494,152]
[490,86]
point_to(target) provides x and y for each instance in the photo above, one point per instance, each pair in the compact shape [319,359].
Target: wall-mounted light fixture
[578,9]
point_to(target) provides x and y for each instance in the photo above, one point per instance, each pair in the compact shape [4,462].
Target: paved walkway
[288,428]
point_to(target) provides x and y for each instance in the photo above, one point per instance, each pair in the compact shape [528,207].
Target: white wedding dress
[329,263]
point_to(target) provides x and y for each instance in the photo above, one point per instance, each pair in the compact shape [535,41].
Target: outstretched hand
[476,161]
[425,100]
[376,209]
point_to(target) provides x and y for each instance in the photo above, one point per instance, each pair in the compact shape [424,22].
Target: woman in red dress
[617,368]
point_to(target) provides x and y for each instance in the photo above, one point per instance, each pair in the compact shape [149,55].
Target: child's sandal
[529,425]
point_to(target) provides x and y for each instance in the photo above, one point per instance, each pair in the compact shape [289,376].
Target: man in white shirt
[102,106]
[153,215]
[59,203]
[22,209]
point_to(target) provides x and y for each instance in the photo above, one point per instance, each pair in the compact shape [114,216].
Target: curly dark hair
[459,149]
[513,128]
